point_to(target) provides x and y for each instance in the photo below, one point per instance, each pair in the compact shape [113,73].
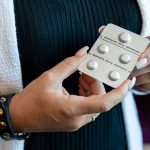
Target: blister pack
[114,55]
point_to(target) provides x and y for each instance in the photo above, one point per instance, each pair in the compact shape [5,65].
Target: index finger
[69,65]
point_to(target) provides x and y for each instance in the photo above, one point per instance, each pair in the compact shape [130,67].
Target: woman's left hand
[142,71]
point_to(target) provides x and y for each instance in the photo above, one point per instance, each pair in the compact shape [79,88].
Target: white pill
[125,37]
[125,58]
[114,75]
[92,65]
[103,49]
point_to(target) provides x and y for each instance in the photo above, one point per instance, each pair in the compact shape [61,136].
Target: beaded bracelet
[6,130]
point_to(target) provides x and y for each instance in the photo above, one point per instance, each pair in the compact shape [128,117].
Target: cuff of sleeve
[6,130]
[140,91]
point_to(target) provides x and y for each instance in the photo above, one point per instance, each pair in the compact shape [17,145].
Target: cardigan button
[2,125]
[6,136]
[1,112]
[3,99]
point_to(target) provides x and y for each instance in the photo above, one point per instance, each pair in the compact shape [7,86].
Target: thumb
[98,103]
[144,59]
[68,66]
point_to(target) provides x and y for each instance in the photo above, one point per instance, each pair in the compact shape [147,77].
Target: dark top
[49,31]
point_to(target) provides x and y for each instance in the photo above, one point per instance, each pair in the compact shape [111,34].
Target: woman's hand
[45,105]
[142,72]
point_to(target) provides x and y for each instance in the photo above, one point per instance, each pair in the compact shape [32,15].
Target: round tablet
[92,65]
[125,58]
[103,48]
[125,37]
[114,75]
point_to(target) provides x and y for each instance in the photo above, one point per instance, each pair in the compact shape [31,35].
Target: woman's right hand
[45,106]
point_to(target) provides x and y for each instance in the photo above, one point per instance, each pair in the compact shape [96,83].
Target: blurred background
[143,104]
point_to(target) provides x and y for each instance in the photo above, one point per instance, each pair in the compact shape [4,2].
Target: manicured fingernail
[141,63]
[82,51]
[132,83]
[101,29]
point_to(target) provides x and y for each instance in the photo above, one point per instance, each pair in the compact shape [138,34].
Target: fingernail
[141,63]
[101,29]
[82,51]
[132,83]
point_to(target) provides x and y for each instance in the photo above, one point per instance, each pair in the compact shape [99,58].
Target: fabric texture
[10,70]
[145,11]
[11,80]
[133,130]
[49,31]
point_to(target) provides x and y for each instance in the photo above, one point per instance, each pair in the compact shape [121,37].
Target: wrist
[6,131]
[16,115]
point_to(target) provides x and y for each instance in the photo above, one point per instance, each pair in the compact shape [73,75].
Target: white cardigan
[11,77]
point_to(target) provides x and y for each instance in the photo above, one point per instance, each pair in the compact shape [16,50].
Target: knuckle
[121,93]
[69,112]
[69,61]
[48,76]
[105,106]
[75,125]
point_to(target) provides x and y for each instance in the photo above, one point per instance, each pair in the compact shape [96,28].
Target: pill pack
[114,55]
